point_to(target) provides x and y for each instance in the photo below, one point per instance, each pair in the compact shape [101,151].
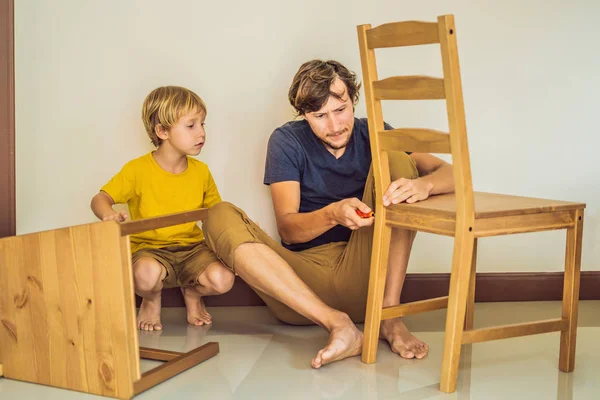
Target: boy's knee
[147,273]
[218,278]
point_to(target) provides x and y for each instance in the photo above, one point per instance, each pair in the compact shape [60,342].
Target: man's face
[334,122]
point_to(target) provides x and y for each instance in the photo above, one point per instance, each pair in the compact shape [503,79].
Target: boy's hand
[119,217]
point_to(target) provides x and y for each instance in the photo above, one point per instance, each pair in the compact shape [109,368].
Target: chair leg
[470,313]
[464,243]
[570,303]
[379,259]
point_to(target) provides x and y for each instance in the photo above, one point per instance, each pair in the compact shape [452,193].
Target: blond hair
[165,105]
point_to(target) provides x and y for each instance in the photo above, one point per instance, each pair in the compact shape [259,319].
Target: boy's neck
[170,161]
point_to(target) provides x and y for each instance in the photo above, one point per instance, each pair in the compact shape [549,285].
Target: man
[318,168]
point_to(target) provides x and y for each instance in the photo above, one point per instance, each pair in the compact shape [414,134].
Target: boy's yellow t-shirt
[150,191]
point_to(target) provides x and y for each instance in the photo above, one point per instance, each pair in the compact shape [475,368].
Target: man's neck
[337,153]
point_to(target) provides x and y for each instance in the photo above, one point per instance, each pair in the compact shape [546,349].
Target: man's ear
[161,132]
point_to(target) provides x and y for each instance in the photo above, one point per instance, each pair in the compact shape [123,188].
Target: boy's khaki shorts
[184,264]
[337,272]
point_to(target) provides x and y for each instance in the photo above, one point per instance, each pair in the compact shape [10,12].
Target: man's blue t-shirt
[295,153]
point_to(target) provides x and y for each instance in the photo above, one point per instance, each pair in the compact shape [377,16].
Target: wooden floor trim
[491,287]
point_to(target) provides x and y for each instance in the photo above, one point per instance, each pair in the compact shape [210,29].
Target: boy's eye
[190,126]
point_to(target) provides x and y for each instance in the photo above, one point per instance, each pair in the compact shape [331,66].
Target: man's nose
[334,124]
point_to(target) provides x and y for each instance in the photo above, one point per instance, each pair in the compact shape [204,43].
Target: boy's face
[334,122]
[188,134]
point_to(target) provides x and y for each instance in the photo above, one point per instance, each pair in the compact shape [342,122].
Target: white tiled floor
[262,359]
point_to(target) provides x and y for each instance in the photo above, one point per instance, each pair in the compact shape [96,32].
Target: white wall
[83,68]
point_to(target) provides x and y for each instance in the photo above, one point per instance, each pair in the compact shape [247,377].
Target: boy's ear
[161,132]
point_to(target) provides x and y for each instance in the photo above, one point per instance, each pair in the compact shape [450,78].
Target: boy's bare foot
[345,340]
[196,311]
[401,340]
[148,318]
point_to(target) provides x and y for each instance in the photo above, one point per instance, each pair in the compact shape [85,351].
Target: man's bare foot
[345,340]
[196,312]
[401,340]
[148,318]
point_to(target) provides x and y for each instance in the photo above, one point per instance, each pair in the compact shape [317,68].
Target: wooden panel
[420,222]
[62,310]
[143,225]
[175,366]
[414,307]
[415,140]
[523,223]
[515,330]
[409,33]
[409,88]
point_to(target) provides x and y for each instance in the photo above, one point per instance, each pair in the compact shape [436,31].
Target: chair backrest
[414,33]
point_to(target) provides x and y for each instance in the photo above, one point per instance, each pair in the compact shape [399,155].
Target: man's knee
[147,273]
[218,278]
[402,166]
[219,217]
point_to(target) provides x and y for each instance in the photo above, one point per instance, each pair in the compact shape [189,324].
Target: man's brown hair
[311,87]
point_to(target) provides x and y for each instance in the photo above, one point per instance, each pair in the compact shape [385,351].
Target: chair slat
[415,140]
[409,88]
[408,33]
[143,225]
[414,307]
[516,330]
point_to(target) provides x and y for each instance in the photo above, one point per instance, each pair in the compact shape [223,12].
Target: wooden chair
[465,215]
[67,310]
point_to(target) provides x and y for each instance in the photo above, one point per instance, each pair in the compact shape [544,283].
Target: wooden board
[64,320]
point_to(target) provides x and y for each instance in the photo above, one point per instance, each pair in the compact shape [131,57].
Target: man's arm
[435,177]
[296,227]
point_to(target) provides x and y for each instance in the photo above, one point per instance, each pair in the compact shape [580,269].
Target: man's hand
[344,213]
[119,217]
[409,190]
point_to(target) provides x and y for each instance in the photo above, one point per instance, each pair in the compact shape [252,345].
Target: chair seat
[487,205]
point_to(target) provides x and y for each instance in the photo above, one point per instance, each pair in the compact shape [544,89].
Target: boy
[166,181]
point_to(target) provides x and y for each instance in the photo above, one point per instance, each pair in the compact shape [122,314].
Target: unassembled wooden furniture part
[67,310]
[465,215]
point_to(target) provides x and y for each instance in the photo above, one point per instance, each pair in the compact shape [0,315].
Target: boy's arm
[102,207]
[211,195]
